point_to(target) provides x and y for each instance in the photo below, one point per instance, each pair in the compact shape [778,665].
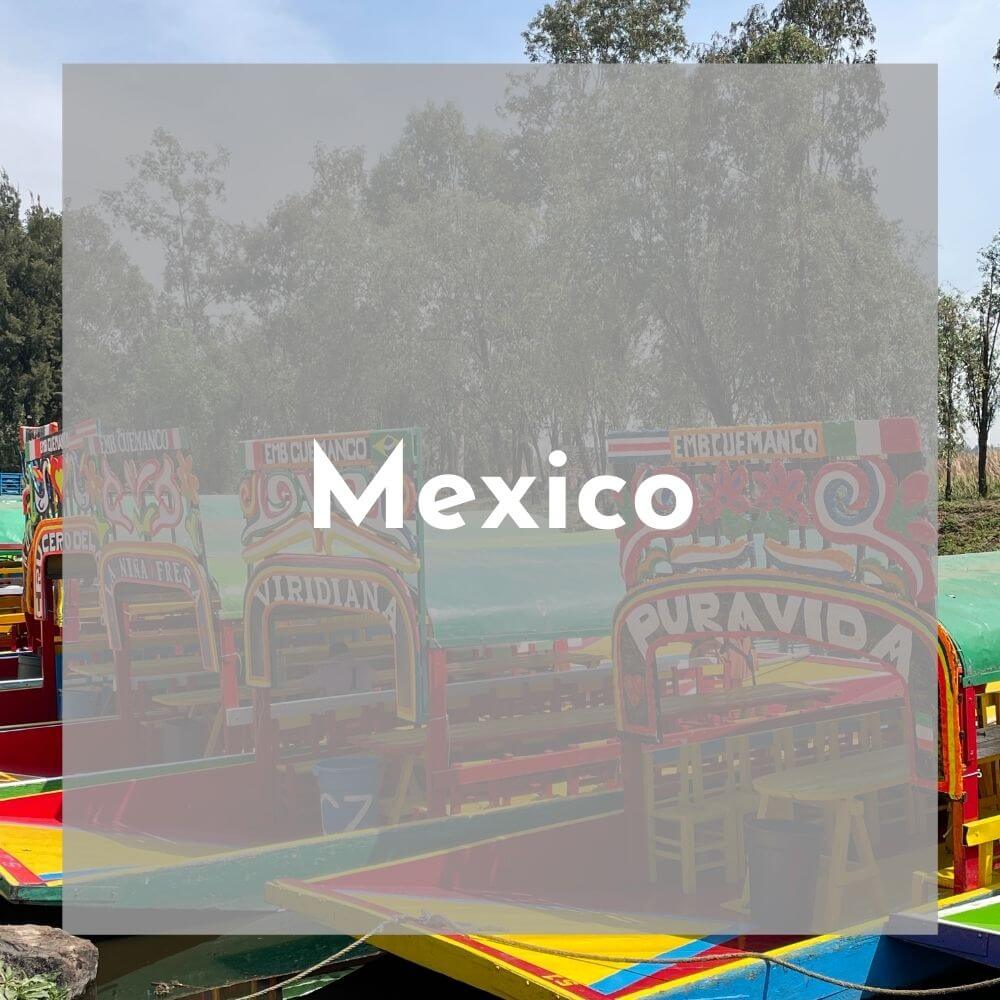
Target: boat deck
[969,929]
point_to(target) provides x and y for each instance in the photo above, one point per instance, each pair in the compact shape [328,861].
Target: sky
[39,36]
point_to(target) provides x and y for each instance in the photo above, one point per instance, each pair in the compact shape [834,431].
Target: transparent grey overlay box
[725,273]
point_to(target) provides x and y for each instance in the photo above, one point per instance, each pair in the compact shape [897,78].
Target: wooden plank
[988,743]
[192,698]
[545,726]
[724,702]
[144,669]
[981,831]
[331,623]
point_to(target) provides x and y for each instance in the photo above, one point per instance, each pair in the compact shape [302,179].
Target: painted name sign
[297,452]
[143,569]
[165,439]
[316,591]
[778,441]
[842,625]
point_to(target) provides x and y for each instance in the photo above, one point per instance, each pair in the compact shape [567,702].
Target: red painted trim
[546,975]
[18,871]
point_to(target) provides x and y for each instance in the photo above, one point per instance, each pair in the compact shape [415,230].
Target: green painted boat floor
[984,918]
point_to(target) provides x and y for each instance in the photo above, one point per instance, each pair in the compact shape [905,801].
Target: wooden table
[839,785]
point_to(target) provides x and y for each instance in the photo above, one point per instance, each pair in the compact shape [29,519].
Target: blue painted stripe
[627,977]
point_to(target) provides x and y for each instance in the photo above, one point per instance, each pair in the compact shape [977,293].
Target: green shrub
[14,985]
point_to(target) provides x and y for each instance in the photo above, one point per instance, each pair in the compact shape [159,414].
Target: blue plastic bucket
[348,789]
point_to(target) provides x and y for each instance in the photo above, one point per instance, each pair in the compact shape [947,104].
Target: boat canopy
[11,521]
[508,585]
[481,587]
[969,609]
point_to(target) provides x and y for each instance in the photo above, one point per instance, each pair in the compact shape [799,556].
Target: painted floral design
[779,490]
[724,492]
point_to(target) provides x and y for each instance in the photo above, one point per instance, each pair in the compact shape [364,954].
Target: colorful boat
[234,724]
[414,910]
[704,692]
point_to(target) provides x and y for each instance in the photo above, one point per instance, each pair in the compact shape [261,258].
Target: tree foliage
[797,31]
[955,345]
[519,289]
[982,376]
[30,317]
[607,31]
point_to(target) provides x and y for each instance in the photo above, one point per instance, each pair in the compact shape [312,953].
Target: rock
[50,951]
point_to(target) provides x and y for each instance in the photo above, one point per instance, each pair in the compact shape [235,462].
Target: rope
[730,956]
[328,960]
[727,956]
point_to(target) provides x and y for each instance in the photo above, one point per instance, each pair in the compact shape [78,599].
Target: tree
[30,317]
[996,66]
[982,376]
[607,31]
[172,200]
[955,341]
[186,350]
[797,31]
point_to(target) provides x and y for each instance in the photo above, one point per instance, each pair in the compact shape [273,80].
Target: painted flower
[780,490]
[723,491]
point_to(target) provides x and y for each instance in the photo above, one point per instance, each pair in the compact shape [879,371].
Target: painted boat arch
[162,566]
[351,569]
[340,585]
[46,547]
[762,604]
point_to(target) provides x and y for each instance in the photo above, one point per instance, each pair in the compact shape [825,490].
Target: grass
[966,523]
[968,526]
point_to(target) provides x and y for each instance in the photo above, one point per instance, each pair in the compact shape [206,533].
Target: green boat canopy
[11,521]
[969,608]
[492,587]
